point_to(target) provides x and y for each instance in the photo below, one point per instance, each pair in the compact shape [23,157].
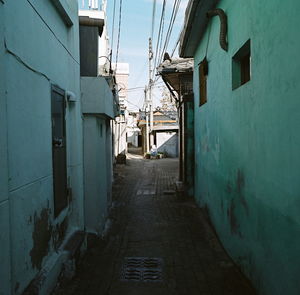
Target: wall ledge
[61,8]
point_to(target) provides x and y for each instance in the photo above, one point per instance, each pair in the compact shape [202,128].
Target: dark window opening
[241,66]
[203,71]
[59,150]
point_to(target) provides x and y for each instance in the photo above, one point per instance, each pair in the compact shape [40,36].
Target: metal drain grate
[142,269]
[146,192]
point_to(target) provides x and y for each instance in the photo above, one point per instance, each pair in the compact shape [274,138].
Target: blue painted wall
[247,142]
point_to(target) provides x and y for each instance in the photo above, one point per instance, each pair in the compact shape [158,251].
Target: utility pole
[150,91]
[147,121]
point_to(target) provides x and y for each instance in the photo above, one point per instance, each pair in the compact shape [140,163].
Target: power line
[160,33]
[132,103]
[119,34]
[170,28]
[172,20]
[143,87]
[177,42]
[113,30]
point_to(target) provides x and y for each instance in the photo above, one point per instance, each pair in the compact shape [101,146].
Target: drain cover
[147,192]
[142,269]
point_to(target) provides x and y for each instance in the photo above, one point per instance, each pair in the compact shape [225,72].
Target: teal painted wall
[41,50]
[247,142]
[189,148]
[5,258]
[96,172]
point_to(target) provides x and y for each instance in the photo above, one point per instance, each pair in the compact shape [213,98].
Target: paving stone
[149,221]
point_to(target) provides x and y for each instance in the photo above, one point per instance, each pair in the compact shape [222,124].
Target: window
[59,149]
[203,71]
[241,66]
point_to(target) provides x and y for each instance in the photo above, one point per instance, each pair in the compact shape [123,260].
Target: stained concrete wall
[40,50]
[247,142]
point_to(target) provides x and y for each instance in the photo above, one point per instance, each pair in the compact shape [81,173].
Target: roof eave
[194,25]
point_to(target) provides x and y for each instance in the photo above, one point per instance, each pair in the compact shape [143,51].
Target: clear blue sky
[135,31]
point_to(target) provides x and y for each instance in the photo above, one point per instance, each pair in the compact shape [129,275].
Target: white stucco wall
[167,143]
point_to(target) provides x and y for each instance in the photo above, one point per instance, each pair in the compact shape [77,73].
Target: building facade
[120,126]
[41,193]
[247,136]
[99,108]
[177,74]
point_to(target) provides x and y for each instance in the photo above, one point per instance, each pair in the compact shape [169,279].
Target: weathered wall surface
[5,265]
[40,50]
[247,142]
[189,155]
[97,175]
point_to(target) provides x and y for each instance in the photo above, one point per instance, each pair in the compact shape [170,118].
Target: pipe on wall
[223,26]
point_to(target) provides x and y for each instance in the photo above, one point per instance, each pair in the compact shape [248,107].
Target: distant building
[121,71]
[99,108]
[132,130]
[165,132]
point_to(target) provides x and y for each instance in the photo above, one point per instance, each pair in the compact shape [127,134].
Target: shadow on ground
[148,221]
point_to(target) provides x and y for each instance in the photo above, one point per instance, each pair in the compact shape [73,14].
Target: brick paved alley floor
[148,221]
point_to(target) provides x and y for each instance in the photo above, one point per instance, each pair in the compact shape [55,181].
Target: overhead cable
[170,28]
[160,35]
[119,34]
[113,31]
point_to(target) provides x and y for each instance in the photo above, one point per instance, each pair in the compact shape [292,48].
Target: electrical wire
[119,34]
[113,30]
[170,28]
[160,34]
[177,42]
[132,103]
[172,20]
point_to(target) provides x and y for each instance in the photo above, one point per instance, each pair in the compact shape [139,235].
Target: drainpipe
[223,26]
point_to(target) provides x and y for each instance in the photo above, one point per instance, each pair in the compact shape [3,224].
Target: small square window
[203,72]
[241,66]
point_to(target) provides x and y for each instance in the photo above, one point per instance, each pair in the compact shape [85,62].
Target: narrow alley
[149,147]
[155,243]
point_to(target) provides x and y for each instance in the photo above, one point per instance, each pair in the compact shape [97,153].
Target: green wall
[247,141]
